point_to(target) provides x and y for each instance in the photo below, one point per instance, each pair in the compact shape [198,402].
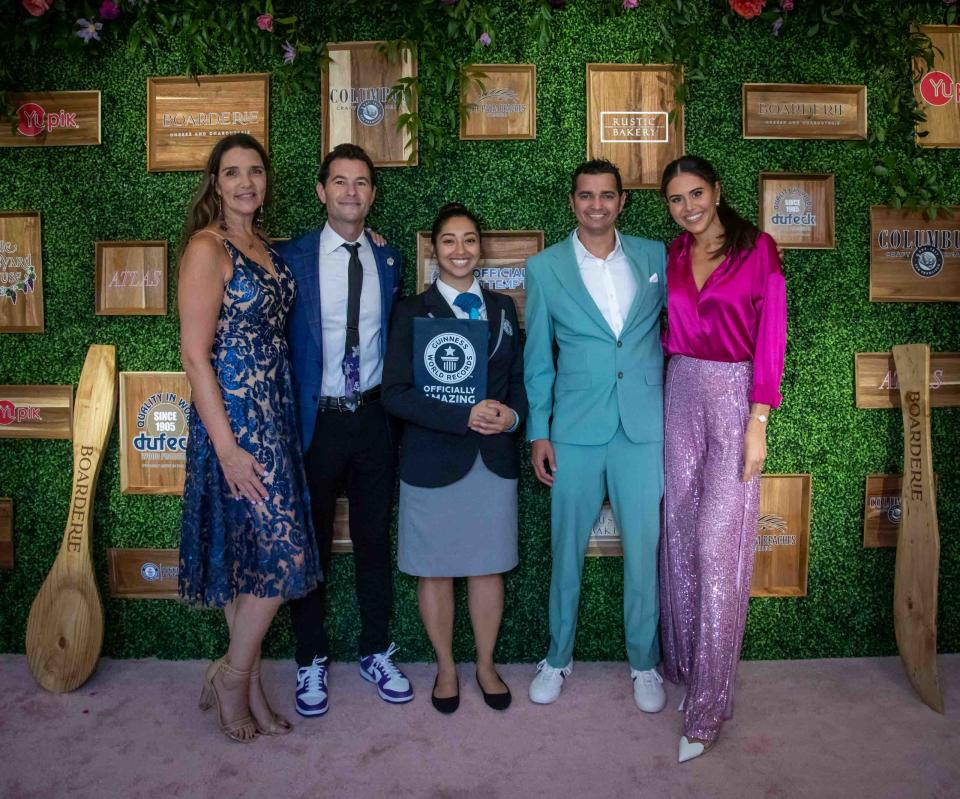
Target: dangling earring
[260,216]
[223,222]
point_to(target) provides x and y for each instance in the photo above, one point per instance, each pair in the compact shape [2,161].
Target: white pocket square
[654,278]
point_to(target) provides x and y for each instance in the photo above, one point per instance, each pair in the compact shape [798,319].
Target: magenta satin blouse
[739,315]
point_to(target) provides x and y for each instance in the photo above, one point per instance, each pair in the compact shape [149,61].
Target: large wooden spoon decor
[65,627]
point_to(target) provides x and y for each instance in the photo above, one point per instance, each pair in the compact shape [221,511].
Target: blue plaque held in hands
[450,359]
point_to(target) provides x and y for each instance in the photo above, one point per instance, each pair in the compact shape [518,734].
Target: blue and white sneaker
[391,684]
[312,688]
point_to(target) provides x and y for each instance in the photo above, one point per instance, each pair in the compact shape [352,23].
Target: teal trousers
[631,475]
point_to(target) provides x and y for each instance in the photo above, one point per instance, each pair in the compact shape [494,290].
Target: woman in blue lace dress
[247,543]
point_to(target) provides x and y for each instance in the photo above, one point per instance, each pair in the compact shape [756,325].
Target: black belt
[340,403]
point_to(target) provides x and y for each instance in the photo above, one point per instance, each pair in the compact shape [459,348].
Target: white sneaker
[548,683]
[648,690]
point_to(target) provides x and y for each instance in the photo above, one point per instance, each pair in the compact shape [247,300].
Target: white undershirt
[610,282]
[449,293]
[333,262]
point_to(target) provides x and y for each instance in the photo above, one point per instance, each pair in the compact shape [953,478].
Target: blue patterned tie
[469,304]
[351,349]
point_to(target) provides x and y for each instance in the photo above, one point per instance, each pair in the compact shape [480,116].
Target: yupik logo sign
[32,120]
[938,88]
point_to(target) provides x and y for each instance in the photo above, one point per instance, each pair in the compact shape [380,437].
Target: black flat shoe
[496,701]
[447,704]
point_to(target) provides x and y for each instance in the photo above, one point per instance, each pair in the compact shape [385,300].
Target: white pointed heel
[689,750]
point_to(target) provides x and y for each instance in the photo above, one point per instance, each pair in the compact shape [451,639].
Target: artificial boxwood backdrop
[105,193]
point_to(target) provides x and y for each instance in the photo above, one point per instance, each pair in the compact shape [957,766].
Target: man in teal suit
[596,416]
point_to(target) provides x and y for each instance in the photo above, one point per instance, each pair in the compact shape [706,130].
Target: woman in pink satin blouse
[725,337]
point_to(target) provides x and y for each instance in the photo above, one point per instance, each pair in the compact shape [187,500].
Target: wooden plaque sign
[912,258]
[877,384]
[36,412]
[6,533]
[500,102]
[804,111]
[882,511]
[131,278]
[937,90]
[342,543]
[605,538]
[629,120]
[502,268]
[52,119]
[356,102]
[21,273]
[154,415]
[783,536]
[144,573]
[187,116]
[798,209]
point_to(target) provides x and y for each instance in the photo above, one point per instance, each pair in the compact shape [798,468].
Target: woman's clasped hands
[488,417]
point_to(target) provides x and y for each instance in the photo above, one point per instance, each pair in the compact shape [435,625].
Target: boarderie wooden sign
[21,273]
[187,116]
[633,119]
[804,111]
[499,102]
[144,573]
[882,509]
[358,104]
[154,417]
[937,89]
[877,385]
[798,209]
[783,536]
[36,412]
[502,268]
[6,533]
[131,278]
[51,119]
[912,258]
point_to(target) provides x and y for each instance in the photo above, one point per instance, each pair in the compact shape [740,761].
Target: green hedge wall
[104,192]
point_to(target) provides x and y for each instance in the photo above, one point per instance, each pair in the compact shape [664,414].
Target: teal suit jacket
[597,382]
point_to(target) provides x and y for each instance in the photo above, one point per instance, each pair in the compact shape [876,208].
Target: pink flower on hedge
[786,5]
[89,30]
[748,9]
[289,53]
[265,22]
[628,4]
[485,39]
[36,8]
[109,10]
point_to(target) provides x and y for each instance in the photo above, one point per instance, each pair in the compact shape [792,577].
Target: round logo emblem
[450,358]
[166,417]
[7,412]
[936,88]
[893,514]
[370,112]
[150,572]
[927,260]
[30,119]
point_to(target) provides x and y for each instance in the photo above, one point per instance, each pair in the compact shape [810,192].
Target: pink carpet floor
[811,729]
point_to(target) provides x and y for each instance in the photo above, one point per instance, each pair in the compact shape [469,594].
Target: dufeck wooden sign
[912,258]
[878,385]
[358,104]
[21,273]
[503,266]
[633,119]
[187,116]
[804,111]
[797,209]
[51,119]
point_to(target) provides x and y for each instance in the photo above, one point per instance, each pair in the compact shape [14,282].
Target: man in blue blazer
[337,332]
[596,416]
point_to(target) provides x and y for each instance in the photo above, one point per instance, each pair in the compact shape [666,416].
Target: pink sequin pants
[708,535]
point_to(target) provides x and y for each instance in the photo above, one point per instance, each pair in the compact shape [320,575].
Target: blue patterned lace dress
[228,546]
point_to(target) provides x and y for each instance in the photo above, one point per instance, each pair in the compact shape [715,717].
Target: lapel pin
[389,261]
[507,327]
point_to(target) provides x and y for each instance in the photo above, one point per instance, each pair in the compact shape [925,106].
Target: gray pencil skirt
[465,529]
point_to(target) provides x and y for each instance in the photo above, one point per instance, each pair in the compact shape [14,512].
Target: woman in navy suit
[458,463]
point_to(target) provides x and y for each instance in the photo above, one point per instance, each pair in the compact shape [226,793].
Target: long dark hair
[452,211]
[205,205]
[739,234]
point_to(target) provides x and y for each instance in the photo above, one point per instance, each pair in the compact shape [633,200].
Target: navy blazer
[437,447]
[304,332]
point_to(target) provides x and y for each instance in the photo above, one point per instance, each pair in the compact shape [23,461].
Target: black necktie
[351,345]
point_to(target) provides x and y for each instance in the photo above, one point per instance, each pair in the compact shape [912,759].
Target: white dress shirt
[449,293]
[334,259]
[610,281]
